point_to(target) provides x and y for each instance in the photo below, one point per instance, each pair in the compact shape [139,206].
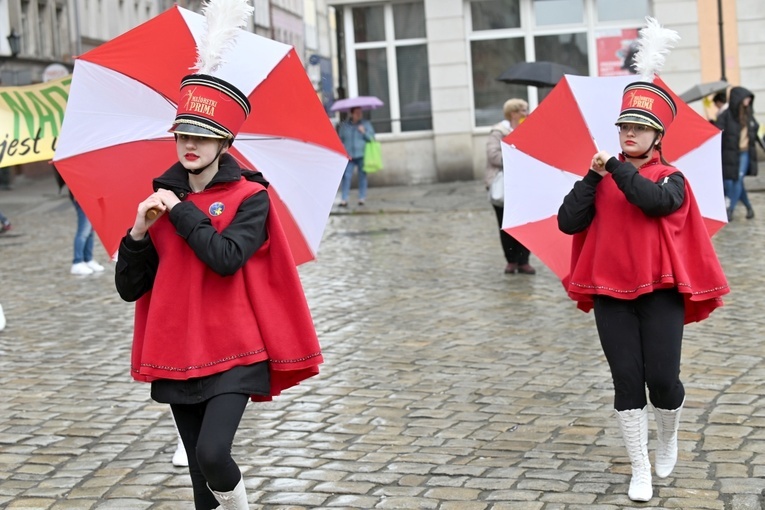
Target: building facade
[435,62]
[54,32]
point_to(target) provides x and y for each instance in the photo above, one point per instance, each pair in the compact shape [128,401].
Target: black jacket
[728,122]
[653,198]
[225,252]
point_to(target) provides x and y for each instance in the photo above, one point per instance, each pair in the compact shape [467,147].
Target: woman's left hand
[168,198]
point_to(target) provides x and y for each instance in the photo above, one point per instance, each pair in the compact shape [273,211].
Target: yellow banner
[30,120]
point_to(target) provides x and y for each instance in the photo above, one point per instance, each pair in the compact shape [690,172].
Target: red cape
[195,323]
[624,253]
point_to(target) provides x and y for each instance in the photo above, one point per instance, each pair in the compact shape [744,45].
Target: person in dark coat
[739,154]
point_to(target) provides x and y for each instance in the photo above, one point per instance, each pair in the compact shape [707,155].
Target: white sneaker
[81,269]
[2,319]
[95,266]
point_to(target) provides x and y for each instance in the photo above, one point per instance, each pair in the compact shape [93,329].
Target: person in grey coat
[516,254]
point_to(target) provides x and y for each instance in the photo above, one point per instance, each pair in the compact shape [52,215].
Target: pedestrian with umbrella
[355,132]
[642,258]
[221,317]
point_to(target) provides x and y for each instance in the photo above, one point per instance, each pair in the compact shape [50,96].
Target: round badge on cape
[216,209]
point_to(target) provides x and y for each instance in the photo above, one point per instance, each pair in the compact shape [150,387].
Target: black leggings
[641,339]
[207,430]
[515,252]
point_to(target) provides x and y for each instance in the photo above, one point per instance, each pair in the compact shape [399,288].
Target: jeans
[83,239]
[348,175]
[735,190]
[3,219]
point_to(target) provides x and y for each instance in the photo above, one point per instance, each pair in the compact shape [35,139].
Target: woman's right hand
[142,222]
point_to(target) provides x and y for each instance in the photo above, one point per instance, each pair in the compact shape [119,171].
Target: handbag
[372,157]
[497,190]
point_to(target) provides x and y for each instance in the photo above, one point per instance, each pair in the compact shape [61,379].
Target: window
[569,49]
[42,30]
[504,32]
[26,27]
[495,14]
[489,59]
[388,58]
[558,12]
[58,23]
[497,42]
[368,24]
[615,10]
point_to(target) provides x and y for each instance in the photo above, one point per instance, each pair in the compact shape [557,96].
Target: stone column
[450,92]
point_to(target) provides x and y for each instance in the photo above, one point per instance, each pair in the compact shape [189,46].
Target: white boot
[634,425]
[233,500]
[667,423]
[180,459]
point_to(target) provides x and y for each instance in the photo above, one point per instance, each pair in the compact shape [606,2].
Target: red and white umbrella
[553,148]
[123,99]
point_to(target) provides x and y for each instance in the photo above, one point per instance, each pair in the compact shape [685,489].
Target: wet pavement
[447,385]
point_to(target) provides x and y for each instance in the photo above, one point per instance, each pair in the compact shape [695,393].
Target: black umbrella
[536,74]
[703,90]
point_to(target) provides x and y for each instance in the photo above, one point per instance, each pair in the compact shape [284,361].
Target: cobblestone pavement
[447,385]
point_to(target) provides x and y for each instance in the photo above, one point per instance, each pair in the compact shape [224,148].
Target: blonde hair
[514,105]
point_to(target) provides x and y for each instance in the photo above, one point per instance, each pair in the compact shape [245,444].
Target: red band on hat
[212,103]
[648,102]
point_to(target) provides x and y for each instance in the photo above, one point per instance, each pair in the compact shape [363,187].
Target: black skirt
[249,380]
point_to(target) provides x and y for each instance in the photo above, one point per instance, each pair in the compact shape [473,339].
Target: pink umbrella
[363,102]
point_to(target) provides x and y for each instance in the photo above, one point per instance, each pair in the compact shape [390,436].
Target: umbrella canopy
[122,102]
[536,74]
[578,116]
[703,90]
[363,102]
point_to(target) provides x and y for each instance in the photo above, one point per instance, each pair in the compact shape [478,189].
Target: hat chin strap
[200,170]
[645,154]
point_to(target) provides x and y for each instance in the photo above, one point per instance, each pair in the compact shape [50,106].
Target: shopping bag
[372,157]
[497,190]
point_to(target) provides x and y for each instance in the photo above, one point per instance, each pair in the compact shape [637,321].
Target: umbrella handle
[152,213]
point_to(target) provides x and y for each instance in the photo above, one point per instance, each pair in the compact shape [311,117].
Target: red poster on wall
[616,48]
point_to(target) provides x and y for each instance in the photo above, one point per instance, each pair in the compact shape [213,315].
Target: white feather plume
[654,44]
[223,19]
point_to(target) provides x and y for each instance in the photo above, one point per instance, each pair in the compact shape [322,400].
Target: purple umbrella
[363,102]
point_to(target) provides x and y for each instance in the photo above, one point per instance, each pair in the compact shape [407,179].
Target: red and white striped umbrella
[123,99]
[553,148]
